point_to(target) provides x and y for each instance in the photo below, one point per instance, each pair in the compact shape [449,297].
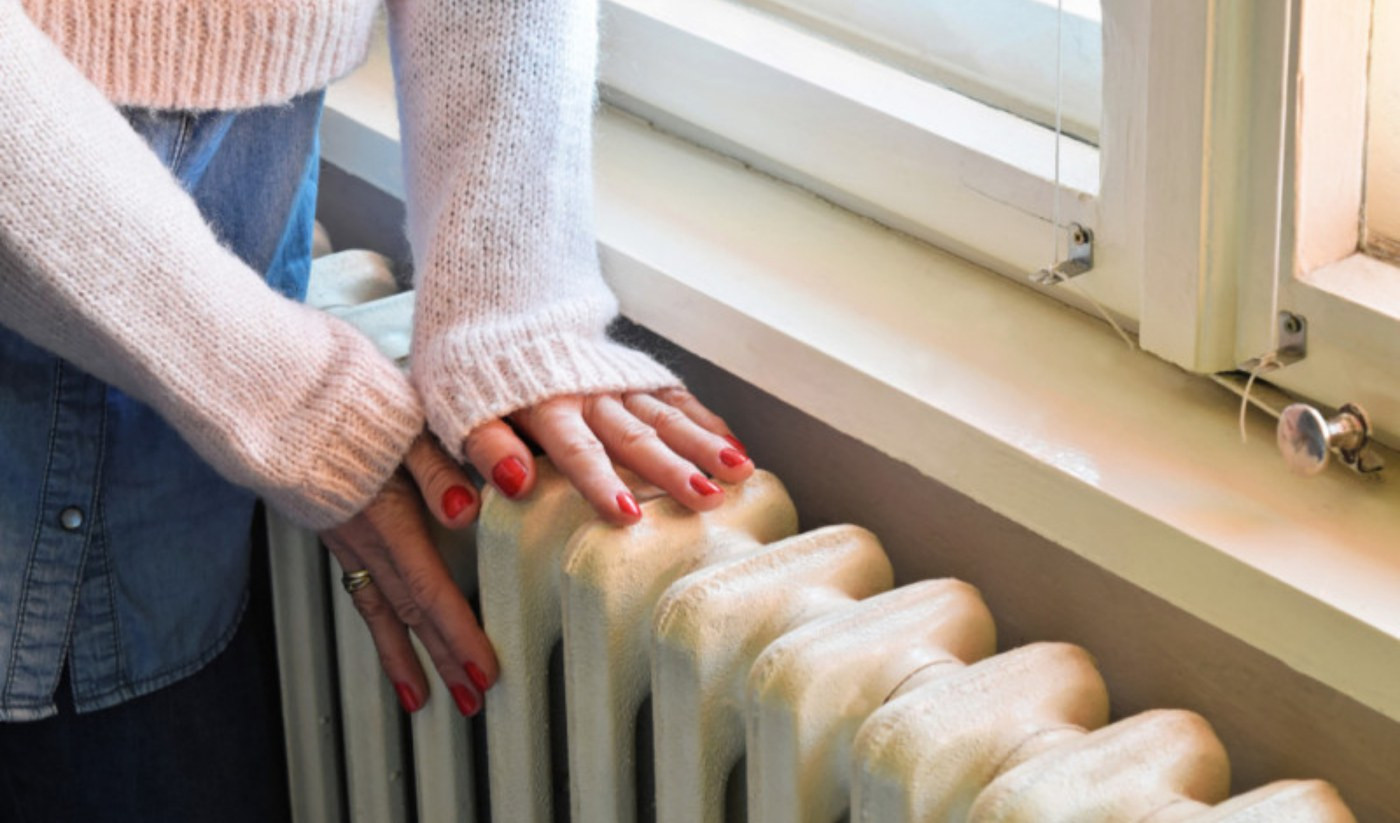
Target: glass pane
[1001,52]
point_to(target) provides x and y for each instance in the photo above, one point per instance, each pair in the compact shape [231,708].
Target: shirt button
[71,518]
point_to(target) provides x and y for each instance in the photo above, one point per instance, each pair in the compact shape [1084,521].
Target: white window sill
[1372,285]
[1033,409]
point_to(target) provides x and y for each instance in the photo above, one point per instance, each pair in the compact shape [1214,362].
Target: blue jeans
[124,559]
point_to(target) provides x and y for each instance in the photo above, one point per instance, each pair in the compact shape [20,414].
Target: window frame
[1193,261]
[1283,200]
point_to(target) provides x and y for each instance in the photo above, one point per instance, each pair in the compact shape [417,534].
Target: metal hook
[1080,260]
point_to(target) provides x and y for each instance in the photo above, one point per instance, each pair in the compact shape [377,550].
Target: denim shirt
[121,553]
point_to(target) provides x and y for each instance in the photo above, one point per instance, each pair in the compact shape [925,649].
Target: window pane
[1001,52]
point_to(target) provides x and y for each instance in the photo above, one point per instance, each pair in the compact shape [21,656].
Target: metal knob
[1307,439]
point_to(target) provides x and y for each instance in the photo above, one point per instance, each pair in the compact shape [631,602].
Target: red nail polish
[703,485]
[627,504]
[454,500]
[509,476]
[467,701]
[732,457]
[407,698]
[477,676]
[734,441]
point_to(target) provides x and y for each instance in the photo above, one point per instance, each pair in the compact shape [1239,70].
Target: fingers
[668,438]
[559,427]
[640,446]
[446,489]
[467,697]
[703,417]
[496,452]
[680,432]
[390,637]
[412,590]
[413,576]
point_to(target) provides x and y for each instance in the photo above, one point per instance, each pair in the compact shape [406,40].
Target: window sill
[1033,409]
[1366,282]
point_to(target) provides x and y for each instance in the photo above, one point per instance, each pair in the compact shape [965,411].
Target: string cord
[1059,127]
[1269,360]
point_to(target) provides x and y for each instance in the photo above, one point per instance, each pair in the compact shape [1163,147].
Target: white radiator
[786,681]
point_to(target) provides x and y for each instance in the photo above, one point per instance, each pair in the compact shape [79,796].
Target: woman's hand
[666,437]
[410,587]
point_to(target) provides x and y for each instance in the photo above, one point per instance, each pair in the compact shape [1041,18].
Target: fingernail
[732,457]
[734,441]
[627,504]
[477,676]
[509,476]
[702,485]
[407,698]
[454,500]
[467,701]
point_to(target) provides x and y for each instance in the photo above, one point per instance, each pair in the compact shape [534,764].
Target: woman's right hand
[410,586]
[667,437]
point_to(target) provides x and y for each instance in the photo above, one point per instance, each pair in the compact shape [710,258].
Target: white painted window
[1190,154]
[1000,52]
[1338,189]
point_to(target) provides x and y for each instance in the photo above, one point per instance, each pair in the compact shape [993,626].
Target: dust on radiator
[716,667]
[787,681]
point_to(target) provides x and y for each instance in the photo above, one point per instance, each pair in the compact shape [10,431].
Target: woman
[151,384]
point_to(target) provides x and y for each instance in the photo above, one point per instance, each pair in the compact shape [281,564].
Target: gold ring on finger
[354,581]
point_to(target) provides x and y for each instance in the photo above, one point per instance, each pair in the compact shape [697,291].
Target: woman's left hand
[667,437]
[411,587]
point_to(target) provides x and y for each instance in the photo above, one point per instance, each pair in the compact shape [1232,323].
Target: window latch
[1080,260]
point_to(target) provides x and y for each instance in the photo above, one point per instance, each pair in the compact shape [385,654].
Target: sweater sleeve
[105,261]
[496,100]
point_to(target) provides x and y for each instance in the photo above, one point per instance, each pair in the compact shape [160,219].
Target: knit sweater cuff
[354,440]
[470,379]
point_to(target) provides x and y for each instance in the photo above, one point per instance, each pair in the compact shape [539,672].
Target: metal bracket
[1080,260]
[1292,342]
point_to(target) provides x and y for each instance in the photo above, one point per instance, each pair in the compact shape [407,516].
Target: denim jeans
[124,559]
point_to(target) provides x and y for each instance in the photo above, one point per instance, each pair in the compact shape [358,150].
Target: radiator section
[708,629]
[927,753]
[812,689]
[613,579]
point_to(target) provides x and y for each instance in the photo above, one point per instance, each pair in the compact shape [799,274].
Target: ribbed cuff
[177,54]
[361,435]
[469,380]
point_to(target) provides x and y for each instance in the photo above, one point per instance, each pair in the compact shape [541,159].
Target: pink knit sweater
[107,262]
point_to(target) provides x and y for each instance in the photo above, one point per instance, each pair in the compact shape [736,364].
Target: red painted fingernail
[702,485]
[407,698]
[467,701]
[477,676]
[734,441]
[733,457]
[454,500]
[627,504]
[509,476]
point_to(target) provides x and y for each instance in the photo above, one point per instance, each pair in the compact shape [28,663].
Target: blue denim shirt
[121,552]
